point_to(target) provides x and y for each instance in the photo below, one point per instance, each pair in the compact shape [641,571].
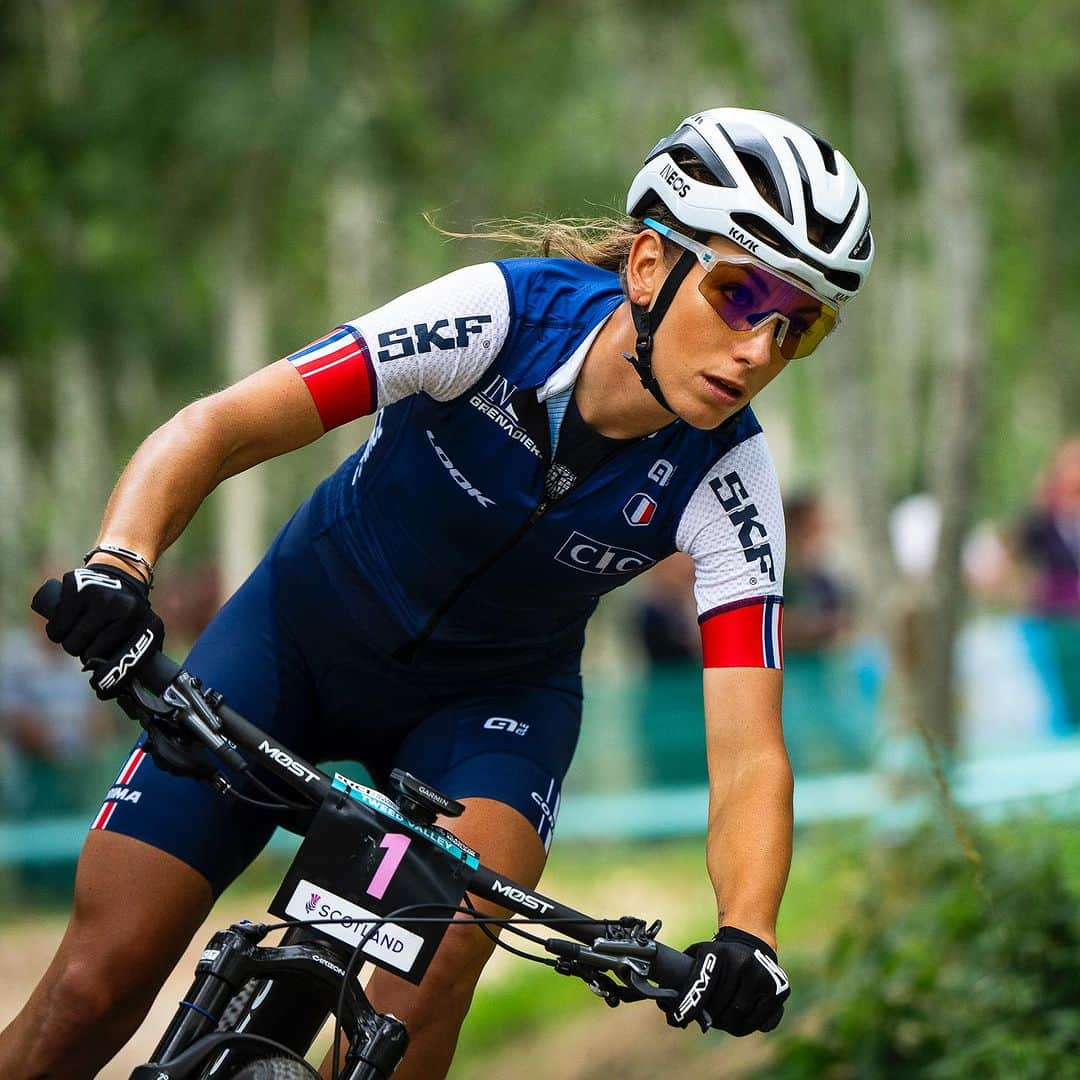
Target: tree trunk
[357,249]
[241,501]
[81,468]
[957,273]
[13,472]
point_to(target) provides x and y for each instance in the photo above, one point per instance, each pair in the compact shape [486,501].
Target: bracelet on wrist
[133,558]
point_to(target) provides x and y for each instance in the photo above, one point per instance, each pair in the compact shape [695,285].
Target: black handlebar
[668,966]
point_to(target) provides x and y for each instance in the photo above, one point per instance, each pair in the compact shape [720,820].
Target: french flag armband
[744,633]
[339,375]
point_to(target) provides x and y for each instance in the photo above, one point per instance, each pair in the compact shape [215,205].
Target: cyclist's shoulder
[549,290]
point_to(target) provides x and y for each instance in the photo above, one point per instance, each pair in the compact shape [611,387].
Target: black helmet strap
[646,321]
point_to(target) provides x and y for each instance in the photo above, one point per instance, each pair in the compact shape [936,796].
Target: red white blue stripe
[123,778]
[746,633]
[339,375]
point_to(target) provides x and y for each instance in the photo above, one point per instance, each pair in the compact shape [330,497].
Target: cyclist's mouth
[728,392]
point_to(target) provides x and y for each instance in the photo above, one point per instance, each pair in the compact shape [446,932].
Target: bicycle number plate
[356,868]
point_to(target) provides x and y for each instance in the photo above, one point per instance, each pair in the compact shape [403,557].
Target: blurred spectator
[51,723]
[829,687]
[187,599]
[671,731]
[817,601]
[666,616]
[60,753]
[1048,544]
[1049,536]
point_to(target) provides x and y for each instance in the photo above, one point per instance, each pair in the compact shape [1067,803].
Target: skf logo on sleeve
[743,515]
[423,337]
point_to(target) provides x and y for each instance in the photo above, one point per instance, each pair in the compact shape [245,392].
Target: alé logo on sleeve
[423,337]
[743,515]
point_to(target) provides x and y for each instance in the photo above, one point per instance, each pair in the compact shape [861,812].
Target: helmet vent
[828,154]
[751,223]
[826,234]
[687,146]
[759,159]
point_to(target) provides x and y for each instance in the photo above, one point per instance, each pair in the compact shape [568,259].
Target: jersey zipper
[406,653]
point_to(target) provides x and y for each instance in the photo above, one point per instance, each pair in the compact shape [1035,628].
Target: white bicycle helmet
[773,187]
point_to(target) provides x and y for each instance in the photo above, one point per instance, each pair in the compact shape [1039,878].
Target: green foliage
[947,970]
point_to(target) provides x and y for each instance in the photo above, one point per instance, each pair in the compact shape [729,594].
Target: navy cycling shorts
[292,652]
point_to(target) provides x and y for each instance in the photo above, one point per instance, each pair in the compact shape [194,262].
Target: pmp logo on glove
[697,991]
[95,577]
[128,660]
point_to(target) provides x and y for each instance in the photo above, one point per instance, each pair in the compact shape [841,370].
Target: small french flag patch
[339,375]
[639,510]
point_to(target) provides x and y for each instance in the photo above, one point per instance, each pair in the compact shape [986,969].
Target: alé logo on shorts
[457,476]
[389,943]
[595,557]
[504,723]
[423,337]
[743,515]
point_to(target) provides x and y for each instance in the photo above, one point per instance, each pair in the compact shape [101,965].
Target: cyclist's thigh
[136,908]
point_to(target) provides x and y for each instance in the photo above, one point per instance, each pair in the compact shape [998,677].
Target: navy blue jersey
[442,514]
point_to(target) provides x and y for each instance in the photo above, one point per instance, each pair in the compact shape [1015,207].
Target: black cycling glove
[104,618]
[736,984]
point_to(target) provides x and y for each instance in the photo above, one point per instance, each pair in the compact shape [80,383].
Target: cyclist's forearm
[166,481]
[267,414]
[748,850]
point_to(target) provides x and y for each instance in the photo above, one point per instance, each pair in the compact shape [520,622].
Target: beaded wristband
[127,555]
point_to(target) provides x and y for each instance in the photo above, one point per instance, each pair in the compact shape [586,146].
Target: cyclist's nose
[755,347]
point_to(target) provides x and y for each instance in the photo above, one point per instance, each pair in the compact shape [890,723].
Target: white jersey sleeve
[437,339]
[733,527]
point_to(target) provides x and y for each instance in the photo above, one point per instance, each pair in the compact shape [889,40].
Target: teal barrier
[1044,780]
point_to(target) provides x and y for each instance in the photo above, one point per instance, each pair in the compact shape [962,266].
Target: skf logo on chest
[595,557]
[743,515]
[639,510]
[423,337]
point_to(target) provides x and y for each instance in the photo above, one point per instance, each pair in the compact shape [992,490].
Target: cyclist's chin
[705,413]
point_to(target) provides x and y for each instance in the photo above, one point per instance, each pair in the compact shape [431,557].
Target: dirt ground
[26,949]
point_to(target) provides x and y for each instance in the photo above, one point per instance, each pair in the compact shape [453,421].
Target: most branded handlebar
[165,678]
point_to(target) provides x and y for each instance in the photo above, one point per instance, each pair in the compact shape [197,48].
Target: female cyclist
[547,429]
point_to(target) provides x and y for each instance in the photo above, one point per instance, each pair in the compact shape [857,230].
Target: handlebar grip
[155,673]
[670,968]
[46,598]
